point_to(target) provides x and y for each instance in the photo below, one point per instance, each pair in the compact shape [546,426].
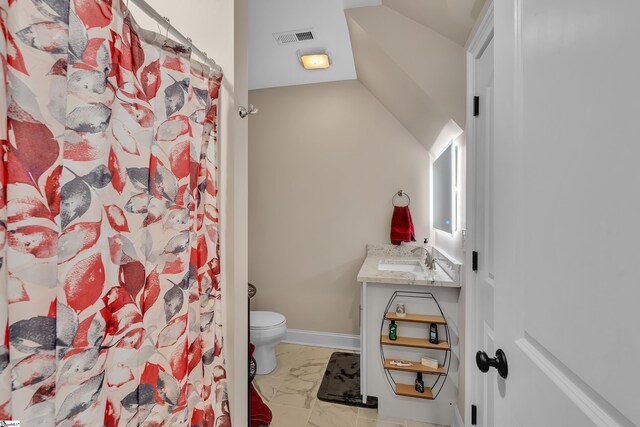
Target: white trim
[457,419]
[323,339]
[363,342]
[479,42]
[483,35]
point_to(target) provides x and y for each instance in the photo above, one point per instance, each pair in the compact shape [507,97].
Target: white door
[483,229]
[566,239]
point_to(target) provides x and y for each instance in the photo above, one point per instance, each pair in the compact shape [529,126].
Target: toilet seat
[266,320]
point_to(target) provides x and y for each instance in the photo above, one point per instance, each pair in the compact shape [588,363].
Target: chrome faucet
[429,260]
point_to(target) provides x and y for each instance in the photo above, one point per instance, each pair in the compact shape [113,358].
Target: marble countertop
[370,273]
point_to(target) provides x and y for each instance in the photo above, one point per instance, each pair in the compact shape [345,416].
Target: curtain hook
[210,61]
[190,43]
[244,112]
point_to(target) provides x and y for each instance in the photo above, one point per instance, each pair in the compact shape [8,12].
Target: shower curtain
[110,293]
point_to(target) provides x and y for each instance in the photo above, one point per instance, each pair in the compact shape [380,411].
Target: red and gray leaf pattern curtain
[110,293]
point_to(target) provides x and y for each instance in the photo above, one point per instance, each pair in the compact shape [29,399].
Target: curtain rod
[163,20]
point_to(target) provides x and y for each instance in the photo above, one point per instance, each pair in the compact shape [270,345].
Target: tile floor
[290,391]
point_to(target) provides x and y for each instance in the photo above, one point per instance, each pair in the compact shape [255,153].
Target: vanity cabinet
[397,397]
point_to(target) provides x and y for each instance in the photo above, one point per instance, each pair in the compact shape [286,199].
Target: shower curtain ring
[207,60]
[166,36]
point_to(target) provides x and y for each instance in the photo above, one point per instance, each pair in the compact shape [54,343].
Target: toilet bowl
[267,330]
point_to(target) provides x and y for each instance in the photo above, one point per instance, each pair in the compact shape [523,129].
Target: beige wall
[234,200]
[324,162]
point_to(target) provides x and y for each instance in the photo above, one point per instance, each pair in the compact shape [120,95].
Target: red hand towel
[402,226]
[260,413]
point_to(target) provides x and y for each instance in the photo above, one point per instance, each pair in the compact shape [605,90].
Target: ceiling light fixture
[315,60]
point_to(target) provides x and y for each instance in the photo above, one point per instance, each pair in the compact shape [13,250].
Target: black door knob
[499,362]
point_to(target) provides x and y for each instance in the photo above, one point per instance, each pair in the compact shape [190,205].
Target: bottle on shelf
[433,334]
[393,331]
[419,383]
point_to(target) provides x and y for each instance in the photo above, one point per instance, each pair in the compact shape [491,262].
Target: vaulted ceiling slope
[417,73]
[453,19]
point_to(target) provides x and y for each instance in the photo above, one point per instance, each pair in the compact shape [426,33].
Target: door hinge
[476,106]
[474,261]
[474,415]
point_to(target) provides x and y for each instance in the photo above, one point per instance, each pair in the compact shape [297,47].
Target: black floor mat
[341,382]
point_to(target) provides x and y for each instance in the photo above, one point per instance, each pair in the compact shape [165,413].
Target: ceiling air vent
[297,36]
[305,35]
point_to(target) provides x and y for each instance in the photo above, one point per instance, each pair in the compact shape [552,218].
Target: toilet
[267,330]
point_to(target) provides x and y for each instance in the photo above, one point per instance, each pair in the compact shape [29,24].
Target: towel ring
[400,194]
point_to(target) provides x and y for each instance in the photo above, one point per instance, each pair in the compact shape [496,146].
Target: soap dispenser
[393,331]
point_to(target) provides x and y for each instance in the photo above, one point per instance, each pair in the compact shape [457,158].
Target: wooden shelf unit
[416,318]
[435,377]
[410,391]
[414,342]
[415,367]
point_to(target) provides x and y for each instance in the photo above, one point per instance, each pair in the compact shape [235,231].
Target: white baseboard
[457,419]
[323,339]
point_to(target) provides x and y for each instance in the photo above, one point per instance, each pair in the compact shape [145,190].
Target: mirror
[443,190]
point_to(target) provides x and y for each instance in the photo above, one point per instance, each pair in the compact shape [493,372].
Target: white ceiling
[273,65]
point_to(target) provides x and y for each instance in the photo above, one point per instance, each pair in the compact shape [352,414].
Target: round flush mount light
[315,60]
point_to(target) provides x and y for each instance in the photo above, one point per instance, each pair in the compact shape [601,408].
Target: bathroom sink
[406,266]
